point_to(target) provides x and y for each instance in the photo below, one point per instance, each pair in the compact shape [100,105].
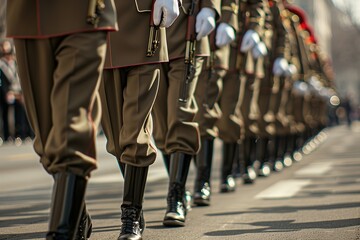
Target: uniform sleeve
[229,13]
[214,4]
[256,15]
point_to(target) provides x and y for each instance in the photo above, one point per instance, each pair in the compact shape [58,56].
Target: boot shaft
[67,205]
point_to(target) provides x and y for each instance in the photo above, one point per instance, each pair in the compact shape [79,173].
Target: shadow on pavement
[287,226]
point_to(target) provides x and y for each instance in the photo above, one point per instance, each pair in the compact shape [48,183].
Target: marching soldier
[300,88]
[271,124]
[60,61]
[241,66]
[130,85]
[207,92]
[175,132]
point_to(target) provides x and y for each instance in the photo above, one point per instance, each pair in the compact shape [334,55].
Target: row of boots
[69,218]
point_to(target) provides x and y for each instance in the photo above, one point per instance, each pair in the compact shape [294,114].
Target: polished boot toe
[264,170]
[188,200]
[130,228]
[85,227]
[202,196]
[175,216]
[249,176]
[176,209]
[228,185]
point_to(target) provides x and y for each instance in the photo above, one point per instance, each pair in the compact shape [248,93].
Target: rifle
[210,68]
[189,53]
[94,7]
[213,48]
[153,41]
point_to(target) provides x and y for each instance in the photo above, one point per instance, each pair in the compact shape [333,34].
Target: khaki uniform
[130,85]
[61,95]
[235,99]
[297,45]
[209,86]
[175,129]
[274,92]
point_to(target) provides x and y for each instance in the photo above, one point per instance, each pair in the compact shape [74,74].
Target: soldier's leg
[229,131]
[64,117]
[128,96]
[206,117]
[248,149]
[263,157]
[182,140]
[203,161]
[288,159]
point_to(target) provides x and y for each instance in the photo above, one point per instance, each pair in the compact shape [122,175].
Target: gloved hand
[291,70]
[259,50]
[300,87]
[165,12]
[205,22]
[250,39]
[225,34]
[280,67]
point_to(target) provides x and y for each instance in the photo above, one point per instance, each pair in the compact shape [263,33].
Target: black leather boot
[278,164]
[265,167]
[227,180]
[142,220]
[187,194]
[248,173]
[85,226]
[166,158]
[67,206]
[131,209]
[176,207]
[288,160]
[203,161]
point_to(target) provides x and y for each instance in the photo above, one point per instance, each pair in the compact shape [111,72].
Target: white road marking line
[315,169]
[283,189]
[21,156]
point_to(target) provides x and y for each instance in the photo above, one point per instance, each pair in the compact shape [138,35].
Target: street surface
[317,198]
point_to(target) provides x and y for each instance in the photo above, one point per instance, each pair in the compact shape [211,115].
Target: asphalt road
[316,198]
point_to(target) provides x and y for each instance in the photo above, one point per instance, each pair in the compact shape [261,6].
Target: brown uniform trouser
[175,129]
[127,97]
[60,78]
[229,131]
[205,117]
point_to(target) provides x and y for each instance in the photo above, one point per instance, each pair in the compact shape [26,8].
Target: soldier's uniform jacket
[229,12]
[177,32]
[44,18]
[279,40]
[132,38]
[251,15]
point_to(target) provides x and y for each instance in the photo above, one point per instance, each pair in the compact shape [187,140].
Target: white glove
[300,87]
[292,70]
[250,39]
[205,22]
[259,50]
[225,34]
[165,12]
[280,67]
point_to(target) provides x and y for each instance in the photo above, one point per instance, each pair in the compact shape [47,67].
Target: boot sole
[201,202]
[173,223]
